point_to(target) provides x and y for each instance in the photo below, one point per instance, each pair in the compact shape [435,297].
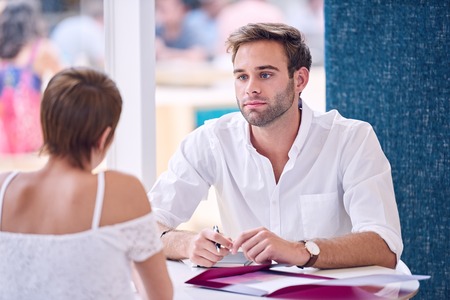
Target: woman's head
[78,105]
[292,40]
[19,24]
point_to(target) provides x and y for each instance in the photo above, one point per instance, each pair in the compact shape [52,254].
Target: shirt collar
[305,125]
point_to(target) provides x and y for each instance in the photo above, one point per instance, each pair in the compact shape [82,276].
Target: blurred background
[193,71]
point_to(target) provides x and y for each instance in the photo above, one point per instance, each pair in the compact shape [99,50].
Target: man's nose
[252,87]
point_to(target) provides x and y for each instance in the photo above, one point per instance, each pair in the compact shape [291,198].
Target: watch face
[312,248]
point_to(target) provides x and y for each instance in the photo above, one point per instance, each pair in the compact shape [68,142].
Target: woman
[27,60]
[66,233]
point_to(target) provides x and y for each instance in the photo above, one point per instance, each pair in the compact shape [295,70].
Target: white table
[180,272]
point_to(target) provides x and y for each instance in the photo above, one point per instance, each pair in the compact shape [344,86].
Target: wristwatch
[313,250]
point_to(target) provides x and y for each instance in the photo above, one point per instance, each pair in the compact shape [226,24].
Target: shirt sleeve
[141,238]
[369,196]
[178,191]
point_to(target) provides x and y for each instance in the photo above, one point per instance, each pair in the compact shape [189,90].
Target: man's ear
[101,144]
[301,78]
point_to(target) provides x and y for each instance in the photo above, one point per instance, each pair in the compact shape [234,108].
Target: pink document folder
[267,281]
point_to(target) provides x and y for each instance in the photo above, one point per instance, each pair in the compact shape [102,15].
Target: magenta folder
[259,281]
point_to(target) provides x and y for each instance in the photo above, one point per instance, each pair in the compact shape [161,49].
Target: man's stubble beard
[281,103]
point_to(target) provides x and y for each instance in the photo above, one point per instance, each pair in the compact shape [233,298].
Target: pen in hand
[216,229]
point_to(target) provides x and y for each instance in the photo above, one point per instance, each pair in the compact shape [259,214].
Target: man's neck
[275,141]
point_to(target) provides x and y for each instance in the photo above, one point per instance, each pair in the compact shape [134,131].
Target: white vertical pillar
[129,32]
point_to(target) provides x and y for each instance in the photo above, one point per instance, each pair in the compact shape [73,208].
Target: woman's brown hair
[77,106]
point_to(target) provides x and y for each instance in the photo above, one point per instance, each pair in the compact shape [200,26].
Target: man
[293,185]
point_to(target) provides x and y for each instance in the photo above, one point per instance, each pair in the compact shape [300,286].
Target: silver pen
[216,229]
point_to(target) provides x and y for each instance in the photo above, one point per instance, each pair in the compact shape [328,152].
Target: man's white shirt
[337,180]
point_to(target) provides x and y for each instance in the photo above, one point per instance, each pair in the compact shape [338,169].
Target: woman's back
[60,252]
[61,200]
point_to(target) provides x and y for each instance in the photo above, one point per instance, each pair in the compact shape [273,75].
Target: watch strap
[312,260]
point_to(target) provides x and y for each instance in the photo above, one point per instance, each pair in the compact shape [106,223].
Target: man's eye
[265,75]
[242,77]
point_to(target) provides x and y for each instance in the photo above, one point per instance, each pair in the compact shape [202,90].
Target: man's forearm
[353,250]
[176,242]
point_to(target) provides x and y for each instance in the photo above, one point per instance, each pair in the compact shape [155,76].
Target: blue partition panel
[204,114]
[387,62]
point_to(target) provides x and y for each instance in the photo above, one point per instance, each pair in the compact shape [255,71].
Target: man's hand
[202,248]
[262,246]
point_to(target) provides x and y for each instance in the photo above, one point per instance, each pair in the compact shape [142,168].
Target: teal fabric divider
[204,114]
[387,62]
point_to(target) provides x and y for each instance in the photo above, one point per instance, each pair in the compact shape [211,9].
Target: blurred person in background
[178,36]
[204,21]
[81,38]
[27,61]
[241,12]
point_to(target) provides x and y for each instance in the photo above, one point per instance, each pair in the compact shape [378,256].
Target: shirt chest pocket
[321,215]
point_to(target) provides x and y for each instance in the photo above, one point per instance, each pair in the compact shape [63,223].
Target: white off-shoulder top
[93,264]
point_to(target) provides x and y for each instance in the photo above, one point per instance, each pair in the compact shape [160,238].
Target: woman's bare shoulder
[125,198]
[124,182]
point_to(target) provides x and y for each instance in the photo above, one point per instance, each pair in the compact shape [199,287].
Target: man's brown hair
[292,39]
